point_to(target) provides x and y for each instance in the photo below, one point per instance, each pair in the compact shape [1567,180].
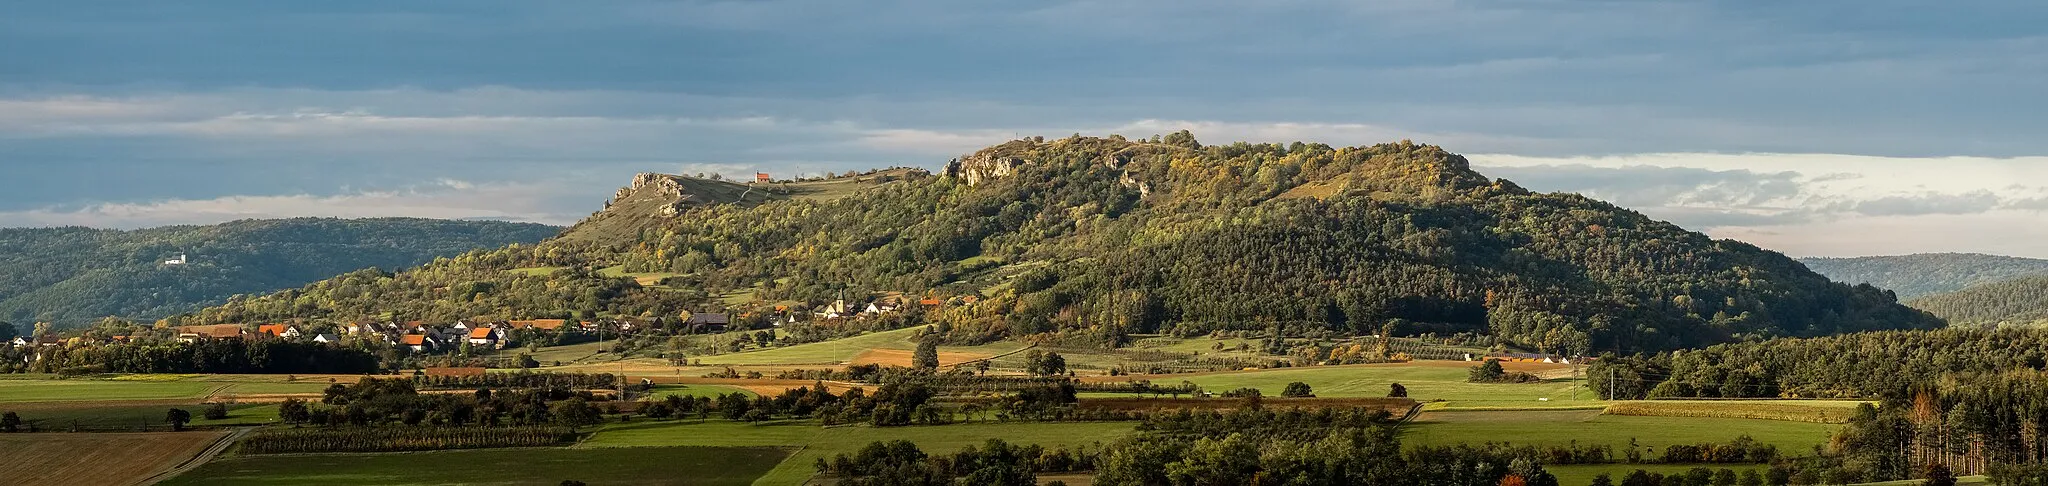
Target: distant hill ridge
[1919,275]
[73,275]
[1087,240]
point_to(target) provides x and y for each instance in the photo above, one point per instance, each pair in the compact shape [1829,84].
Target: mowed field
[684,466]
[1588,427]
[1439,384]
[158,388]
[105,458]
[818,442]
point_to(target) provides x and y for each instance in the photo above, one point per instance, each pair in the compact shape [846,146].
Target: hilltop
[2020,301]
[1919,275]
[71,276]
[1090,240]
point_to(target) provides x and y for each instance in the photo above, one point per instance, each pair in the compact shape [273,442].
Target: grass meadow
[1439,384]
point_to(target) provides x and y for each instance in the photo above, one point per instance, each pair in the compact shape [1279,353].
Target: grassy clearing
[1425,381]
[537,271]
[645,279]
[1541,428]
[712,391]
[696,466]
[1817,411]
[821,442]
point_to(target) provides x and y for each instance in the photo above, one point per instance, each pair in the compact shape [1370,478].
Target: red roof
[480,333]
[414,339]
[273,329]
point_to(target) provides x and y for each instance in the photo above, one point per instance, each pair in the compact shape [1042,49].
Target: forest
[2021,301]
[73,276]
[1923,274]
[1094,239]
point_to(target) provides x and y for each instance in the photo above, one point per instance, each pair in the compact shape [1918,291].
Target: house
[930,302]
[486,337]
[187,334]
[762,178]
[835,310]
[325,338]
[417,342]
[550,324]
[284,331]
[48,340]
[709,322]
[180,260]
[20,342]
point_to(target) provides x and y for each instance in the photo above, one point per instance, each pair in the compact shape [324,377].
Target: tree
[1938,475]
[927,354]
[981,367]
[1397,391]
[178,417]
[216,411]
[1490,371]
[1297,390]
[575,412]
[1602,480]
[294,411]
[9,422]
[7,331]
[42,329]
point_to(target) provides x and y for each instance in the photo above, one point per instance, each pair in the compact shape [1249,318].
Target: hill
[71,276]
[1090,240]
[2021,301]
[1925,274]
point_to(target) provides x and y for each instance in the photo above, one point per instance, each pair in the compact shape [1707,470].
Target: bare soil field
[103,458]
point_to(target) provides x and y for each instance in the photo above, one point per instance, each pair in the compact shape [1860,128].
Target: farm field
[712,391]
[159,388]
[687,466]
[1439,384]
[103,458]
[89,415]
[1817,411]
[840,351]
[1560,427]
[822,442]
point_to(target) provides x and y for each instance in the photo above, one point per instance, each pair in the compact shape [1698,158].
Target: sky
[1817,128]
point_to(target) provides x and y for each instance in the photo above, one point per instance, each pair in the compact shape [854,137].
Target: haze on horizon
[1825,128]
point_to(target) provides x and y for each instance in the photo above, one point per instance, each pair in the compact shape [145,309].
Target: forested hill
[1924,274]
[2021,301]
[71,276]
[1088,240]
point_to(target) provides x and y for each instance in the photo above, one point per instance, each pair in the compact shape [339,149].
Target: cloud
[447,199]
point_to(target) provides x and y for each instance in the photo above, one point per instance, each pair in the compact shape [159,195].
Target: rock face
[982,166]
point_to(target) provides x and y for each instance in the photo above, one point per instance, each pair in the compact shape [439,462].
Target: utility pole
[1610,383]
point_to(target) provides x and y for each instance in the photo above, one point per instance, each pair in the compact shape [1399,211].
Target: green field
[1432,382]
[50,390]
[823,442]
[1560,427]
[92,416]
[692,466]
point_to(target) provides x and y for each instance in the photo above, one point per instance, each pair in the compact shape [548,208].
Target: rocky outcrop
[981,166]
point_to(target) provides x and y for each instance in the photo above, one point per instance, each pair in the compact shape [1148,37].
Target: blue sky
[1816,128]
